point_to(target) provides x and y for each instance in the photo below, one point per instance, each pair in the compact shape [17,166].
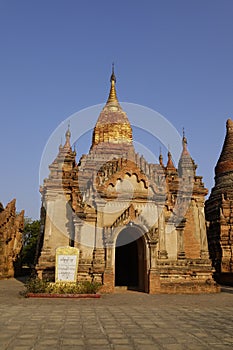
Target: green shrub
[36,285]
[90,287]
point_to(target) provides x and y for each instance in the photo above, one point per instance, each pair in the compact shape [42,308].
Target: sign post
[66,264]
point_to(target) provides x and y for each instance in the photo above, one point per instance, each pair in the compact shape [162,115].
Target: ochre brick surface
[11,227]
[191,241]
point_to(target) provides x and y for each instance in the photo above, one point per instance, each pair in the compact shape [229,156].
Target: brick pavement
[128,321]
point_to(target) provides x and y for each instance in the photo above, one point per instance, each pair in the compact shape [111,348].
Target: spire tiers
[112,98]
[112,125]
[225,161]
[186,165]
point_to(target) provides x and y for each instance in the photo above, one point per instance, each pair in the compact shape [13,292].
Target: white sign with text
[66,264]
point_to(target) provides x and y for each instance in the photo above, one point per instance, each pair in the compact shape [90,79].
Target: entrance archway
[130,259]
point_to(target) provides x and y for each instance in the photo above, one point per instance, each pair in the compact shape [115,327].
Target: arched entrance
[130,259]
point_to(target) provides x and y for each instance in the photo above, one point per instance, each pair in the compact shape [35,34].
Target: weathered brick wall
[191,241]
[11,227]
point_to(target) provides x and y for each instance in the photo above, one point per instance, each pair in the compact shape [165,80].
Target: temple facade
[11,228]
[219,212]
[137,225]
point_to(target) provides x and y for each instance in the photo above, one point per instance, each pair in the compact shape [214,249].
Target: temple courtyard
[121,321]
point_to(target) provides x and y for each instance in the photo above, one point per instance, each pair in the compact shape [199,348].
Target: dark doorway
[127,261]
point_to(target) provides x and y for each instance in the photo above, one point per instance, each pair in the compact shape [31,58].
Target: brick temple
[219,212]
[137,225]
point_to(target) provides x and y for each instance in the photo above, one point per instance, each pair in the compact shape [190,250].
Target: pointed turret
[186,166]
[161,159]
[185,151]
[170,164]
[224,169]
[225,162]
[65,159]
[68,135]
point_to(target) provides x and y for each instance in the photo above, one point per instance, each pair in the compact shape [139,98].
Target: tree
[30,238]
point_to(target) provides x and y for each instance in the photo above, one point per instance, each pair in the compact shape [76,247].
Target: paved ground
[129,321]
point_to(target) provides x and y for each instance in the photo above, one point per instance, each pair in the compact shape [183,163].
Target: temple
[219,212]
[137,225]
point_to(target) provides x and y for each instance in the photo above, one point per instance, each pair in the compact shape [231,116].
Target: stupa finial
[112,98]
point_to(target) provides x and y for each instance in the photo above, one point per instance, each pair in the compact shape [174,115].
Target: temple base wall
[169,277]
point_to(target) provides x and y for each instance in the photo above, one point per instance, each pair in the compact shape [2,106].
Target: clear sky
[174,56]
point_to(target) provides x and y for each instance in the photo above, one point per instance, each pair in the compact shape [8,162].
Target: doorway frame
[143,268]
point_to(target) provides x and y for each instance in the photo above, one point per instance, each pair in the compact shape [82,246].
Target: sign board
[66,264]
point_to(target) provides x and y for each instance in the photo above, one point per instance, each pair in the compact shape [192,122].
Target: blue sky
[174,56]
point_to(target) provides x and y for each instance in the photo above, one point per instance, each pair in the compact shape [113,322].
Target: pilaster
[162,235]
[180,239]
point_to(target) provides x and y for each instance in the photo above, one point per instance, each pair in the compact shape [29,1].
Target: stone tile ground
[128,321]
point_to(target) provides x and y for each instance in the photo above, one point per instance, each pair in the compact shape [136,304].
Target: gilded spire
[112,98]
[113,77]
[112,125]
